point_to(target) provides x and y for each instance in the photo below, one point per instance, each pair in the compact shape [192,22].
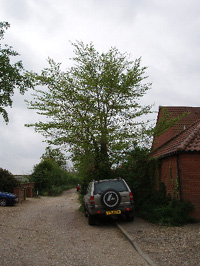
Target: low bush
[172,213]
[160,208]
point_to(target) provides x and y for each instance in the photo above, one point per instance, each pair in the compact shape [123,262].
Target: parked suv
[108,197]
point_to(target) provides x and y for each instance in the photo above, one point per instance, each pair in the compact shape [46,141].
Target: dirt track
[52,231]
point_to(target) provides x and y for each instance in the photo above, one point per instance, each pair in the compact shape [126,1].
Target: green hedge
[50,179]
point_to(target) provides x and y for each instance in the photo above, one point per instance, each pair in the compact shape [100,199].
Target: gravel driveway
[166,246]
[52,231]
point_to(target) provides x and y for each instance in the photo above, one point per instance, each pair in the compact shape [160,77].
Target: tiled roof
[184,136]
[192,143]
[193,114]
[187,140]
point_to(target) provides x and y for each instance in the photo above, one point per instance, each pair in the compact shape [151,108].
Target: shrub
[153,205]
[7,181]
[172,213]
[50,179]
[162,209]
[54,191]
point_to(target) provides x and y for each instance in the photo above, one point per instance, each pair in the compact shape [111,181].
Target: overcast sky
[165,33]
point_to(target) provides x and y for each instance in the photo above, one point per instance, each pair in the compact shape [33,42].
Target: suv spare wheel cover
[110,198]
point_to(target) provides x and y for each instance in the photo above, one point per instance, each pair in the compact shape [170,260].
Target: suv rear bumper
[126,209]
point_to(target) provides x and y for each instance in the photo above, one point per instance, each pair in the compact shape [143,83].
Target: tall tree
[11,75]
[56,155]
[93,106]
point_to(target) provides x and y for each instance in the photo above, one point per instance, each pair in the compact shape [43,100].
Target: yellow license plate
[113,212]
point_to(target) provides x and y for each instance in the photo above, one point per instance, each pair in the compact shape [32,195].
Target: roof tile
[193,115]
[187,140]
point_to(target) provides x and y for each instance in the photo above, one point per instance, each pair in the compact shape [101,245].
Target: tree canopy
[93,106]
[56,155]
[7,181]
[12,75]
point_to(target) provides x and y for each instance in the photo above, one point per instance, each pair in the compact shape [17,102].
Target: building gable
[183,135]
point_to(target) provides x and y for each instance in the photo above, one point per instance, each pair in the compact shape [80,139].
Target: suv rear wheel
[91,219]
[129,218]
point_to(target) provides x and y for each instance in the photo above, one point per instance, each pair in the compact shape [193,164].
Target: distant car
[7,199]
[78,187]
[109,197]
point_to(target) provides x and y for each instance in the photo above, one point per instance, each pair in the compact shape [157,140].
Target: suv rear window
[118,185]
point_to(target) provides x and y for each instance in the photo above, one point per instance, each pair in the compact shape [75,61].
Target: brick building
[178,150]
[25,190]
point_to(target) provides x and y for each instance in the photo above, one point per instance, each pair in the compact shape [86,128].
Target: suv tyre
[91,219]
[110,198]
[129,218]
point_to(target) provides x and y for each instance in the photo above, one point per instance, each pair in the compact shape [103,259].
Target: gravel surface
[177,246]
[52,231]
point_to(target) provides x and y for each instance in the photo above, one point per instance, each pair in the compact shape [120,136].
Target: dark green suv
[108,197]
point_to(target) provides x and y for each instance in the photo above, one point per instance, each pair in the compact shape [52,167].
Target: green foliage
[135,170]
[167,211]
[7,181]
[160,208]
[50,179]
[56,155]
[151,204]
[11,75]
[88,170]
[92,107]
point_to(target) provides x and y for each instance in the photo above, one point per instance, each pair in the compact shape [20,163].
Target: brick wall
[25,190]
[169,175]
[21,193]
[190,180]
[29,189]
[189,165]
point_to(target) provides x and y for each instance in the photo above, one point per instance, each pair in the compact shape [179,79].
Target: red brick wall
[21,193]
[25,190]
[189,165]
[29,189]
[169,175]
[190,180]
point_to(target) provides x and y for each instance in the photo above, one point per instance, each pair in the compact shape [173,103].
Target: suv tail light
[131,196]
[91,200]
